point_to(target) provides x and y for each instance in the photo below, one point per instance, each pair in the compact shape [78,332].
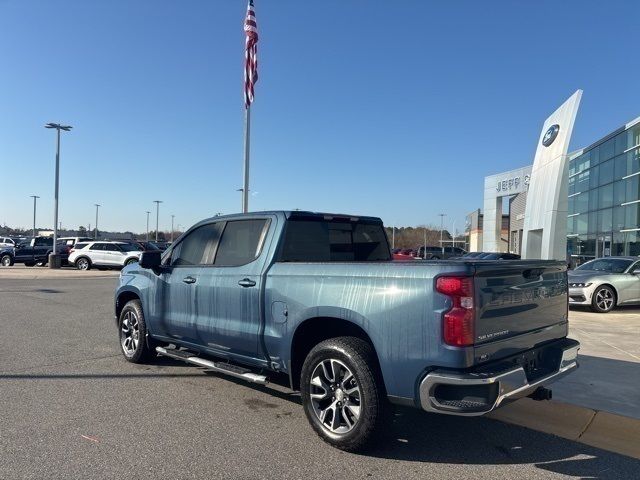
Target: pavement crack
[595,412]
[84,360]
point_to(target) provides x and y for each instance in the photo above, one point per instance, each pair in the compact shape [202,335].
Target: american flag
[250,55]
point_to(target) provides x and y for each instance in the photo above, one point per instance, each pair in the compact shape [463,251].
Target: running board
[226,368]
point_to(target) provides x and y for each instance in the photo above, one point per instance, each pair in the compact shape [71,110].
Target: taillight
[458,326]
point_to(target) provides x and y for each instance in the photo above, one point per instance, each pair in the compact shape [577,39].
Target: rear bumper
[481,390]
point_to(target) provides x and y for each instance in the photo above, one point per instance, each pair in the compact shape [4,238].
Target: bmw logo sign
[550,135]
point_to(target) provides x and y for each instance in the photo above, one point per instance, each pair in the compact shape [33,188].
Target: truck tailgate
[519,305]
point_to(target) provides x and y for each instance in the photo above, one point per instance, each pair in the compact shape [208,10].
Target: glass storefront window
[631,216]
[607,150]
[605,220]
[622,142]
[620,167]
[571,205]
[619,192]
[579,164]
[581,223]
[618,219]
[593,178]
[572,185]
[632,184]
[582,181]
[606,173]
[605,196]
[581,202]
[593,199]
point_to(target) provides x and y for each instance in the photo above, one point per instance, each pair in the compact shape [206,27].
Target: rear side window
[241,242]
[78,246]
[198,247]
[334,241]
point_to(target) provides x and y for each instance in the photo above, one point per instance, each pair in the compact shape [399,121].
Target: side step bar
[220,367]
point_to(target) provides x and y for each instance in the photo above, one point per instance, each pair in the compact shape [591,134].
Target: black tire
[144,349]
[29,264]
[358,357]
[6,260]
[603,299]
[435,257]
[83,263]
[41,263]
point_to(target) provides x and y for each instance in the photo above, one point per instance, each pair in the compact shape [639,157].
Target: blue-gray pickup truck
[317,297]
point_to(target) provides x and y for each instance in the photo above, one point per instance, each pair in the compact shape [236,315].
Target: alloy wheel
[129,333]
[6,261]
[83,264]
[604,299]
[335,396]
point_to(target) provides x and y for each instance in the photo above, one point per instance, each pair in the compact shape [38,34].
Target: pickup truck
[318,298]
[34,252]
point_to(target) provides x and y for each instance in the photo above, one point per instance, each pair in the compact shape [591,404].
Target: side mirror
[636,271]
[150,259]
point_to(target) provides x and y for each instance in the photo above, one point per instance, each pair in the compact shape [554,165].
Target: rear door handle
[246,283]
[189,280]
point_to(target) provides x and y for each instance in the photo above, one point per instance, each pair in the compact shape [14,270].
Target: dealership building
[603,212]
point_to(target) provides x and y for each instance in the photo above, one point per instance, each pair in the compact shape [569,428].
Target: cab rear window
[311,240]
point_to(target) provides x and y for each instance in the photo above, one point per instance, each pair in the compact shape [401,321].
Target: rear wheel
[603,300]
[6,261]
[83,263]
[133,333]
[342,392]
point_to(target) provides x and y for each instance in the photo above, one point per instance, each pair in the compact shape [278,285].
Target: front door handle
[189,280]
[246,283]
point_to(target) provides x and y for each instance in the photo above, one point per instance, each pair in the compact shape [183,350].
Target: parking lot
[73,408]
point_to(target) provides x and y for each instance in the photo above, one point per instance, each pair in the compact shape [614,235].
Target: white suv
[104,254]
[6,242]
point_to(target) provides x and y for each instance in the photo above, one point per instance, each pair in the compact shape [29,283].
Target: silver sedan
[606,282]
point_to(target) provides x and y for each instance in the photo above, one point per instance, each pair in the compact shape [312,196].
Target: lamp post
[54,259]
[442,215]
[157,202]
[96,232]
[172,217]
[35,198]
[148,212]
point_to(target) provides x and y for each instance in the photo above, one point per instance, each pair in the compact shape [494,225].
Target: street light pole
[172,217]
[35,198]
[148,212]
[157,202]
[96,232]
[442,215]
[54,259]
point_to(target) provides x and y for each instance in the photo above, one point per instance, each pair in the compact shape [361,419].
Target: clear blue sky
[395,109]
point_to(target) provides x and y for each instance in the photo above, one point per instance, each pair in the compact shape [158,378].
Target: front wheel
[6,261]
[131,261]
[133,333]
[342,392]
[603,300]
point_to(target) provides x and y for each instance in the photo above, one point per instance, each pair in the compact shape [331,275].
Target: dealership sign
[513,184]
[550,135]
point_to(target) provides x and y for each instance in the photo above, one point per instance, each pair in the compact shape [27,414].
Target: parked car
[604,283]
[71,241]
[490,256]
[438,253]
[6,242]
[104,254]
[317,297]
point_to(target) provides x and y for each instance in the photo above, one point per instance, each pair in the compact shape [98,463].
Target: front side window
[613,265]
[97,246]
[110,247]
[198,247]
[128,247]
[241,242]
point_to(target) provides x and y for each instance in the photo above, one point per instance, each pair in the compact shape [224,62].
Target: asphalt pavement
[72,407]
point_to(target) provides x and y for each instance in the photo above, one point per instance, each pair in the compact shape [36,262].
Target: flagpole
[247,134]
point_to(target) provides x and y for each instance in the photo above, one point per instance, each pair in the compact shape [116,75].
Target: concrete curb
[595,428]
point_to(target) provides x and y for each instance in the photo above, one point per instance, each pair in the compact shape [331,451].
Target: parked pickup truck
[317,297]
[33,252]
